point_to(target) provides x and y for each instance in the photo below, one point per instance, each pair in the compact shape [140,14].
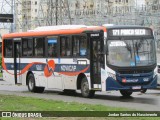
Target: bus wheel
[31,85]
[85,89]
[125,93]
[143,90]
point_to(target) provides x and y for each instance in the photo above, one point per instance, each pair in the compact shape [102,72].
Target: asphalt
[149,101]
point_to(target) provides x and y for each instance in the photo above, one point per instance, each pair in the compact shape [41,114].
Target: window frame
[4,48]
[87,47]
[44,46]
[58,46]
[28,39]
[70,38]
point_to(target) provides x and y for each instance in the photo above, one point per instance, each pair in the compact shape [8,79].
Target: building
[26,13]
[33,13]
[153,8]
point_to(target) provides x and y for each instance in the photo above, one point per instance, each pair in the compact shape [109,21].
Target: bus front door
[97,58]
[17,70]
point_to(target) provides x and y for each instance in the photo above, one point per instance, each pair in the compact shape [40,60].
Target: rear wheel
[85,89]
[31,85]
[126,93]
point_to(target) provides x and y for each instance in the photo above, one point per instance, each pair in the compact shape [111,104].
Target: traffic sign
[6,18]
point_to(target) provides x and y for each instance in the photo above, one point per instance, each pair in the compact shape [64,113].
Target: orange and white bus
[55,57]
[79,57]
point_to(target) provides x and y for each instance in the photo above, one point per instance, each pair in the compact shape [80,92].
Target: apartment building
[32,13]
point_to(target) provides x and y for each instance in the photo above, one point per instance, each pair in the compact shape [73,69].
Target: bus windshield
[131,53]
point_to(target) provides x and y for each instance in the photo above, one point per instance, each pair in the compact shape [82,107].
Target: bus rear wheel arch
[125,93]
[32,85]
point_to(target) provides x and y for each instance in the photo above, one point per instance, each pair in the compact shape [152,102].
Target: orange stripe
[22,71]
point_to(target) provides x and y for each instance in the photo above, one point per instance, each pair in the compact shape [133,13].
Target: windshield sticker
[132,63]
[137,59]
[117,43]
[82,52]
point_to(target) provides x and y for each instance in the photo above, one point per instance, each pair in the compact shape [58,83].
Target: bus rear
[130,60]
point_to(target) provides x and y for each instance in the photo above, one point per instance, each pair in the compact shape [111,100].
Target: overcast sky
[140,2]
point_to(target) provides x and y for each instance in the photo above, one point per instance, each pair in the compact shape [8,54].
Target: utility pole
[56,12]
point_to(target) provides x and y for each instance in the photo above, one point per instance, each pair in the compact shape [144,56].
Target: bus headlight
[112,75]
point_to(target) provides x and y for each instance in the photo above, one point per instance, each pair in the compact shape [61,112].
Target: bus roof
[54,31]
[58,27]
[123,26]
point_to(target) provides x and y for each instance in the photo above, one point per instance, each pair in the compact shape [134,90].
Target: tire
[32,86]
[125,93]
[143,90]
[85,89]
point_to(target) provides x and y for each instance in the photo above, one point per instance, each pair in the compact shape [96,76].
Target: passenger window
[39,47]
[65,46]
[8,48]
[52,47]
[27,47]
[83,46]
[79,45]
[76,45]
[24,47]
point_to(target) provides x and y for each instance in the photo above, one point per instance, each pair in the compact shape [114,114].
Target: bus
[79,57]
[52,57]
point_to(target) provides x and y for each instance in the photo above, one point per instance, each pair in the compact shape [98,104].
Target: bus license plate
[136,87]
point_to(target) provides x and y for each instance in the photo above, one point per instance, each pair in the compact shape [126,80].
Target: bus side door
[96,57]
[17,61]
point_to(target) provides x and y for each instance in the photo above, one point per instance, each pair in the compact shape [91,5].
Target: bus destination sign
[130,32]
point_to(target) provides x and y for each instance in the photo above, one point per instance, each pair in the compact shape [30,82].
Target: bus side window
[8,48]
[27,47]
[76,45]
[83,46]
[79,45]
[65,46]
[52,47]
[39,47]
[24,47]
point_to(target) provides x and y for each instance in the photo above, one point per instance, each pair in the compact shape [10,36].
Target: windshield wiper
[128,46]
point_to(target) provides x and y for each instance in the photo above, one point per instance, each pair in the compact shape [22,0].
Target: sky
[140,2]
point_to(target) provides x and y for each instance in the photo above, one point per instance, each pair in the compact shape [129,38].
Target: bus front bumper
[112,84]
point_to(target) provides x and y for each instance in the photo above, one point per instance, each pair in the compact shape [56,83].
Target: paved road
[149,101]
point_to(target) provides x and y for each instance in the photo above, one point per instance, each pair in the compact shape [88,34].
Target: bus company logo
[94,35]
[49,68]
[145,79]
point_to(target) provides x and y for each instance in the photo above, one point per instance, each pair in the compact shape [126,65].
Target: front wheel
[143,90]
[126,93]
[32,86]
[85,89]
